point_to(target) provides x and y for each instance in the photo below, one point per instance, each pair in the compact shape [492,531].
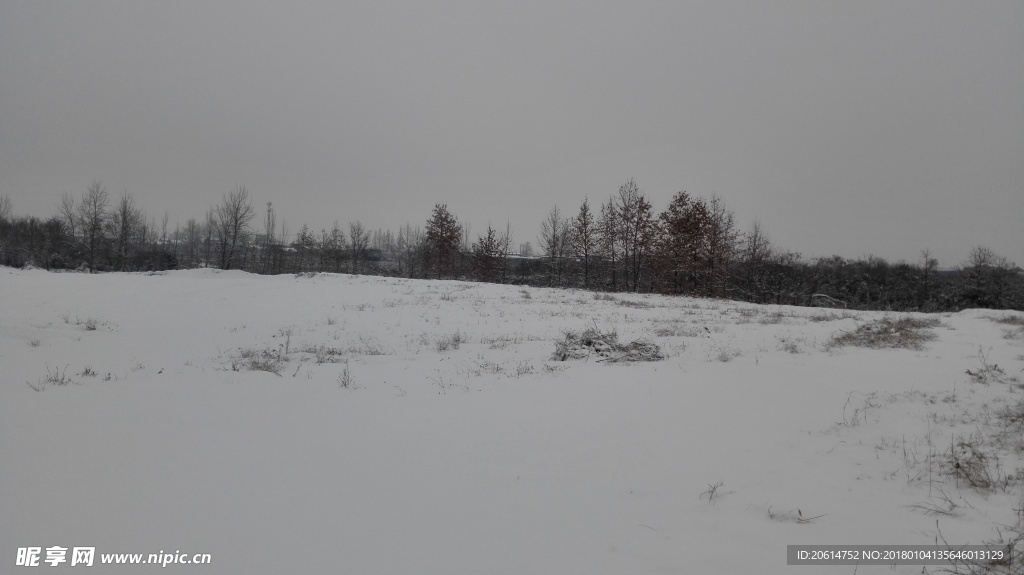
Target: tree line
[693,247]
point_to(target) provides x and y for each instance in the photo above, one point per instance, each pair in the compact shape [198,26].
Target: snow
[487,456]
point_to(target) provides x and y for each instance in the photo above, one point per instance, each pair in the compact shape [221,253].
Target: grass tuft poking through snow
[252,359]
[449,342]
[904,332]
[54,376]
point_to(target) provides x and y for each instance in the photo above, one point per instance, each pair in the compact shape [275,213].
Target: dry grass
[988,372]
[819,317]
[677,328]
[368,346]
[1016,323]
[55,376]
[501,341]
[1013,416]
[970,465]
[901,333]
[325,354]
[450,342]
[345,379]
[606,346]
[1014,320]
[634,304]
[88,324]
[252,359]
[726,354]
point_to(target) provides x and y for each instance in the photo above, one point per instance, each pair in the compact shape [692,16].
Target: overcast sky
[847,128]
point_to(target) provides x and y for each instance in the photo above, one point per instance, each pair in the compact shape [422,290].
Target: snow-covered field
[423,427]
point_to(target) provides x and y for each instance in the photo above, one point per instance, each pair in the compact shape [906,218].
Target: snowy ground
[459,446]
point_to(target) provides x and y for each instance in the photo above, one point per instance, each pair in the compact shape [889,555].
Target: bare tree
[504,247]
[207,237]
[125,225]
[68,212]
[644,232]
[269,228]
[231,223]
[359,241]
[988,278]
[284,251]
[177,240]
[929,268]
[757,255]
[146,231]
[402,245]
[721,246]
[636,230]
[324,248]
[92,217]
[384,241]
[608,238]
[410,243]
[463,254]
[193,237]
[337,246]
[6,232]
[303,244]
[627,204]
[553,239]
[982,257]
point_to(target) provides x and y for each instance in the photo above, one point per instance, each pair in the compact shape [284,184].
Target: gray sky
[847,128]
